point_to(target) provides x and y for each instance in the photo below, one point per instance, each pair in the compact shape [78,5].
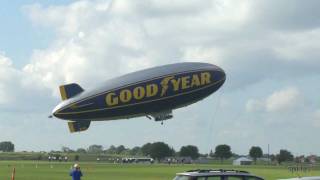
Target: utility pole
[269,154]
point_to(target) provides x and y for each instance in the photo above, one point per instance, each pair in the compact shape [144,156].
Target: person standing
[76,172]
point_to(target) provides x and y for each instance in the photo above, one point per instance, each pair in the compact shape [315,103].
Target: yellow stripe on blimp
[63,93]
[71,126]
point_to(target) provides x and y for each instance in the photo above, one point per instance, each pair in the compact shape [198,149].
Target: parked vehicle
[216,174]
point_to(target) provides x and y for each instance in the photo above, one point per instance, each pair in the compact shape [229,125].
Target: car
[304,178]
[216,174]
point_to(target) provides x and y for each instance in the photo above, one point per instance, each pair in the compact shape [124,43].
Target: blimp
[153,93]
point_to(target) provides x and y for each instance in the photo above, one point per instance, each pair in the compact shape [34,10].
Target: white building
[242,161]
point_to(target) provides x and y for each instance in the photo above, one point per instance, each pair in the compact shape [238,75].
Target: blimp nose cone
[220,76]
[58,115]
[223,75]
[55,114]
[220,72]
[56,111]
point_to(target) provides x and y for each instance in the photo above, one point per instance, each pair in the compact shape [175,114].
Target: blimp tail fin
[69,90]
[78,126]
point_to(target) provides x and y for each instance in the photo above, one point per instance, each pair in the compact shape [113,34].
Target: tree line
[156,150]
[160,150]
[6,146]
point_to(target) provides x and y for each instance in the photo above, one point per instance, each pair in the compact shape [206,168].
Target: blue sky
[269,50]
[18,36]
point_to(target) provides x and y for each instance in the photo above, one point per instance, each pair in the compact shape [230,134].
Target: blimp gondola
[152,92]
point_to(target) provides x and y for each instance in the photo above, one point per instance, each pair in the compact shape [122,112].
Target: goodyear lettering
[195,81]
[171,84]
[152,90]
[164,84]
[176,83]
[139,92]
[125,95]
[111,99]
[185,82]
[205,78]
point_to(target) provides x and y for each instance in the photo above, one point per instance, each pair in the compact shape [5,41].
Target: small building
[312,159]
[242,161]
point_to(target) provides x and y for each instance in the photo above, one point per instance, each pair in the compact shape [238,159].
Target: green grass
[27,170]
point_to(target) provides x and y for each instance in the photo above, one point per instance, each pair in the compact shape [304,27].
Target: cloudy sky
[270,51]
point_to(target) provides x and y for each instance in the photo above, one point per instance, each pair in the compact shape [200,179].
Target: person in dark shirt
[76,172]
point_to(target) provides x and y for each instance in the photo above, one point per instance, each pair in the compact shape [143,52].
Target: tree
[81,150]
[160,150]
[120,149]
[255,152]
[223,151]
[145,149]
[66,149]
[189,151]
[6,146]
[273,157]
[283,156]
[172,152]
[95,149]
[111,150]
[135,151]
[76,157]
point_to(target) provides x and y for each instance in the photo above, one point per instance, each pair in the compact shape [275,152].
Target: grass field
[28,170]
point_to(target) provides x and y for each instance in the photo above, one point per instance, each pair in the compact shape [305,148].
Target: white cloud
[18,90]
[213,55]
[7,76]
[254,105]
[299,46]
[100,40]
[284,100]
[287,15]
